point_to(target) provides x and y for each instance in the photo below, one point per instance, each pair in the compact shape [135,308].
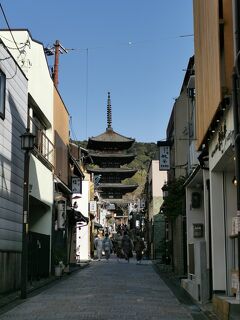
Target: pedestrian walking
[118,243]
[127,246]
[98,242]
[107,246]
[139,247]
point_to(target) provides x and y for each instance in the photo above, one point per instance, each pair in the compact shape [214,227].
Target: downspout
[235,84]
[209,241]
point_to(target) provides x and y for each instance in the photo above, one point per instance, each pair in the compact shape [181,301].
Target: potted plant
[58,260]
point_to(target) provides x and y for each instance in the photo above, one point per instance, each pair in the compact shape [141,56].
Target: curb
[197,311]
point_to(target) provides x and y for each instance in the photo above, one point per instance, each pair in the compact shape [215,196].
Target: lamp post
[27,144]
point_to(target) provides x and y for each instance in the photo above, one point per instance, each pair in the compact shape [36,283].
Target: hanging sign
[93,206]
[76,185]
[164,159]
[61,217]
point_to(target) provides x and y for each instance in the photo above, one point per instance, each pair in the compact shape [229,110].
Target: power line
[72,130]
[9,28]
[130,43]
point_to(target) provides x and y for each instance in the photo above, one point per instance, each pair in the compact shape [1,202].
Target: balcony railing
[44,148]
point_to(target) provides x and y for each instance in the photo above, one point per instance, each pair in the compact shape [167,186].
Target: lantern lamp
[27,140]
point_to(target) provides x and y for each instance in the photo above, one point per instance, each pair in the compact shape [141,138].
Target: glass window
[2,94]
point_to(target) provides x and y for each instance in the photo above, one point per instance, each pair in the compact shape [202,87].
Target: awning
[76,169]
[75,216]
[61,186]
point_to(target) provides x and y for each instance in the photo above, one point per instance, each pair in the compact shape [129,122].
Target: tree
[174,203]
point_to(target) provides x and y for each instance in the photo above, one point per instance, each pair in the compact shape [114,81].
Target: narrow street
[105,290]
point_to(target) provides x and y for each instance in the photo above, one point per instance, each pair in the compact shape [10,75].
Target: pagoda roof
[110,139]
[124,188]
[124,172]
[111,155]
[120,158]
[112,170]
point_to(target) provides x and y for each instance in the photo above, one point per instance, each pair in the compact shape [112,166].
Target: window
[2,94]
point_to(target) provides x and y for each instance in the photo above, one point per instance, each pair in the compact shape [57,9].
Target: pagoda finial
[109,112]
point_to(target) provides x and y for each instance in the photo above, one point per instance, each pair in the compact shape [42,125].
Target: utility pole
[56,50]
[56,63]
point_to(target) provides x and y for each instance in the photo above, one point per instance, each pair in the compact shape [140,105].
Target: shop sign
[93,206]
[61,217]
[164,162]
[76,185]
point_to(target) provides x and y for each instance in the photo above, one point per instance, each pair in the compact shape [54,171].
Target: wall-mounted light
[234,181]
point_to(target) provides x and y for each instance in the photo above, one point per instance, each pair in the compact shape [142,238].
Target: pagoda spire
[109,113]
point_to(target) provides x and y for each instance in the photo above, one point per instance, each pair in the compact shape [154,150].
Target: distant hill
[145,152]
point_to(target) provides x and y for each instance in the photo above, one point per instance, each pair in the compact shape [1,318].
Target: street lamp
[27,144]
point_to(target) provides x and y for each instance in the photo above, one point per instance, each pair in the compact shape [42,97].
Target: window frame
[2,94]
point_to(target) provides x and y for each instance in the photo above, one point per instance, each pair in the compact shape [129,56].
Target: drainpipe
[209,240]
[235,84]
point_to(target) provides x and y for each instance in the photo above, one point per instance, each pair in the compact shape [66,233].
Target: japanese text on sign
[164,162]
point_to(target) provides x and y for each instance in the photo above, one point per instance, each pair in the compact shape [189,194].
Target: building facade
[13,122]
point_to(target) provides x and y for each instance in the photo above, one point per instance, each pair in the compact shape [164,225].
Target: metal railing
[43,146]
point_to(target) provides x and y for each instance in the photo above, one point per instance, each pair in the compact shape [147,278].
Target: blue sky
[135,51]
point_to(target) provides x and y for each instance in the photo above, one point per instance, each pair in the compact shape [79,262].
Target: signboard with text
[76,185]
[164,159]
[93,206]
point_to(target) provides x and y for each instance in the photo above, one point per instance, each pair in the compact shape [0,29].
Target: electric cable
[9,28]
[72,130]
[129,43]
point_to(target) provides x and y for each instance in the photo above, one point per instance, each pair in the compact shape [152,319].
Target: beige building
[155,180]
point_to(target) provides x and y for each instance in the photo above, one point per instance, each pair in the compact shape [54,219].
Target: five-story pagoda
[109,153]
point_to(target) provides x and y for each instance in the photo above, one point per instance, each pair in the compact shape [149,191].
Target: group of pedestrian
[103,245]
[122,245]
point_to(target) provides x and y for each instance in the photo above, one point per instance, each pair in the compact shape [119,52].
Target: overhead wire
[5,18]
[71,129]
[130,43]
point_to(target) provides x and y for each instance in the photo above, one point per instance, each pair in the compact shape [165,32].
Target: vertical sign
[164,162]
[61,218]
[76,185]
[93,206]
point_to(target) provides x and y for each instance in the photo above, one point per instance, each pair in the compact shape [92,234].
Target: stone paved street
[104,291]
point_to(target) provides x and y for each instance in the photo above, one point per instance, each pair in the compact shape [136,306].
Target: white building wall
[33,63]
[223,202]
[158,179]
[41,183]
[83,233]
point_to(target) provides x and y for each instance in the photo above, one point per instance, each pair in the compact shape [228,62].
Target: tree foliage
[174,203]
